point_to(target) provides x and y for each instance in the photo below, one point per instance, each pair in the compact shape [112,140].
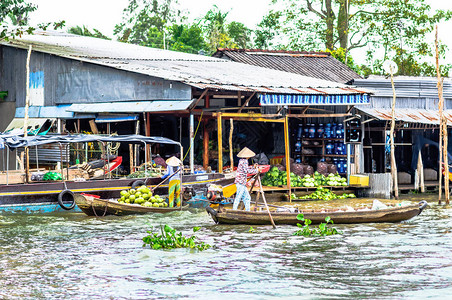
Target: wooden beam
[239,98]
[350,109]
[220,144]
[231,150]
[205,154]
[199,99]
[247,101]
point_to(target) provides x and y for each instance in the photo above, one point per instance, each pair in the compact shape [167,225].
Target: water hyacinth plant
[170,239]
[322,230]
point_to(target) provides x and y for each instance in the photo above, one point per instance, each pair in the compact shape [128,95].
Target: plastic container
[333,131]
[340,131]
[312,131]
[329,148]
[327,131]
[320,130]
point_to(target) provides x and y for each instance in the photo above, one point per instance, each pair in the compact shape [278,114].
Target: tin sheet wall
[56,80]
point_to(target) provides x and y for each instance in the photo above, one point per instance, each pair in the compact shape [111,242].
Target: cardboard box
[359,180]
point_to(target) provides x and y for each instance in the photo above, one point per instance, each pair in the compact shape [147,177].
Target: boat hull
[103,207]
[390,215]
[43,197]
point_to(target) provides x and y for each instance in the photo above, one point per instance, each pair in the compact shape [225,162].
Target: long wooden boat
[93,206]
[43,196]
[391,214]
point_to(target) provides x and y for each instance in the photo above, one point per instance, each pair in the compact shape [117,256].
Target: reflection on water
[70,255]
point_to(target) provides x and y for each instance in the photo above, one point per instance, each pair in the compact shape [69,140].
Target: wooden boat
[390,214]
[93,206]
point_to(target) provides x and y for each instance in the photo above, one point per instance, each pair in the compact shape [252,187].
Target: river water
[73,256]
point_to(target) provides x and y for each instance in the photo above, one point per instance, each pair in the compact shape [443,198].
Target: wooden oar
[265,201]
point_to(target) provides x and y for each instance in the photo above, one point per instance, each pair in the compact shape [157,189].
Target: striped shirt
[243,170]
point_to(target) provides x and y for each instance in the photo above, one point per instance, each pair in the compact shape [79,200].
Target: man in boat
[240,180]
[173,165]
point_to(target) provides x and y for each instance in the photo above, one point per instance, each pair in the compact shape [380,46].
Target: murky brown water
[72,256]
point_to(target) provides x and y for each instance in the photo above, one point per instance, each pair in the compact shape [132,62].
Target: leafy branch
[322,230]
[170,239]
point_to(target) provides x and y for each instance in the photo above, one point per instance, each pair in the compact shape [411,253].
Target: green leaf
[196,229]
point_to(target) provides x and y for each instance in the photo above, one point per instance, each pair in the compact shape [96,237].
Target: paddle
[265,201]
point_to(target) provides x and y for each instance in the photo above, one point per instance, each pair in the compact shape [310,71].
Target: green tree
[394,29]
[144,22]
[86,32]
[14,12]
[221,34]
[186,38]
[267,30]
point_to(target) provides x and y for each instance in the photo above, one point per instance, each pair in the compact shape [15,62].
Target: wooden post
[286,146]
[220,144]
[443,138]
[135,159]
[147,121]
[391,136]
[205,138]
[420,172]
[205,142]
[27,103]
[231,152]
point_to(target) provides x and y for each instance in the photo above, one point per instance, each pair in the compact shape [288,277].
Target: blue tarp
[58,111]
[317,99]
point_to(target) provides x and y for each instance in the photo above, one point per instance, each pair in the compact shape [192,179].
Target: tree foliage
[221,34]
[14,12]
[83,30]
[392,29]
[144,22]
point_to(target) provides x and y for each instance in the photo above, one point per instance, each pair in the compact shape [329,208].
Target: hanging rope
[196,131]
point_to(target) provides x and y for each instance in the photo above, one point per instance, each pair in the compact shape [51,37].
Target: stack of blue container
[332,147]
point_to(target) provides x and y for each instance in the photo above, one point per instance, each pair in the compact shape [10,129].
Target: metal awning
[34,125]
[314,99]
[58,111]
[114,119]
[131,107]
[409,115]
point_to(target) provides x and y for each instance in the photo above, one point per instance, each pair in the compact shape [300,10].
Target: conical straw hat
[246,153]
[173,161]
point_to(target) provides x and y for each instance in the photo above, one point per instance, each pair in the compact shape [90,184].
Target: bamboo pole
[265,201]
[231,152]
[220,144]
[27,103]
[443,138]
[286,146]
[391,136]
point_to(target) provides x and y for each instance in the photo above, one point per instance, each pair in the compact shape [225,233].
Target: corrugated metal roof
[405,86]
[313,64]
[423,116]
[126,107]
[194,70]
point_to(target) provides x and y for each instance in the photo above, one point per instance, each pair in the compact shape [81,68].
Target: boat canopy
[14,141]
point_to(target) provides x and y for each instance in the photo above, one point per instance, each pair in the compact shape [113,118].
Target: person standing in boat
[173,165]
[243,170]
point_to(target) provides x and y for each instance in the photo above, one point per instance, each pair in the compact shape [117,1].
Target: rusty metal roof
[423,116]
[195,70]
[313,64]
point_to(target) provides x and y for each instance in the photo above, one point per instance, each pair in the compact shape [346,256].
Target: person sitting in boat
[240,180]
[173,165]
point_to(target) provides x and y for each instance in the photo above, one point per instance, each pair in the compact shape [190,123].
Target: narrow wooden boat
[289,217]
[93,206]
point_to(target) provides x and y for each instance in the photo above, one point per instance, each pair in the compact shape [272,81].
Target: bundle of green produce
[275,177]
[323,194]
[142,196]
[320,180]
[50,176]
[145,174]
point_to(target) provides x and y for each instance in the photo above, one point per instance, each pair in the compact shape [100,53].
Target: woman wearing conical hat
[172,166]
[243,169]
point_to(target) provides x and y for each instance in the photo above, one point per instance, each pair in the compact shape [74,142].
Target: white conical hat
[246,153]
[173,161]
